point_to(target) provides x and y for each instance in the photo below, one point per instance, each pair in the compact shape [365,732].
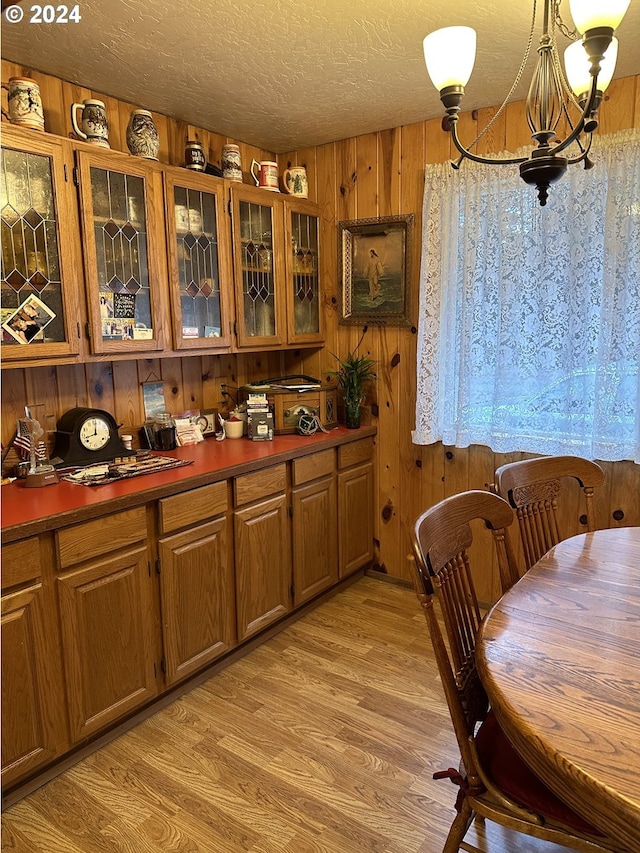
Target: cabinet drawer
[101,536]
[311,467]
[355,452]
[192,507]
[21,562]
[252,487]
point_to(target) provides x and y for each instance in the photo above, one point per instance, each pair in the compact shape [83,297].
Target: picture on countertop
[153,399]
[27,323]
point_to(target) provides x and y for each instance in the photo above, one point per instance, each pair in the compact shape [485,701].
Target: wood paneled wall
[382,174]
[377,174]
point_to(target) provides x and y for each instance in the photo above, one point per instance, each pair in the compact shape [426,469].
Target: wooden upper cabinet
[258,240]
[39,289]
[121,207]
[276,257]
[199,255]
[302,251]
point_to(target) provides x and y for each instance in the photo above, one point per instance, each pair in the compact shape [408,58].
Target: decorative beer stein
[142,135]
[93,126]
[295,181]
[194,156]
[24,103]
[265,174]
[231,163]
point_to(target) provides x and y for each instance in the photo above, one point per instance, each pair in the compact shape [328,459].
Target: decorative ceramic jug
[295,181]
[142,135]
[24,103]
[93,126]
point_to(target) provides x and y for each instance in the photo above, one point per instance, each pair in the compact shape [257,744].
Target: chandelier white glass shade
[577,69]
[450,55]
[588,14]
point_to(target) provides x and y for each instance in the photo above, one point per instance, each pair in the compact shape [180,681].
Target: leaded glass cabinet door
[304,316]
[39,293]
[123,231]
[258,238]
[200,269]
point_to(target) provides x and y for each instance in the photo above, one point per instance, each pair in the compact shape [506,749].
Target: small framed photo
[207,420]
[153,399]
[374,270]
[27,323]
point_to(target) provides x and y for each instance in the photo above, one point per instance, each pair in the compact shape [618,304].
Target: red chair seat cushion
[509,772]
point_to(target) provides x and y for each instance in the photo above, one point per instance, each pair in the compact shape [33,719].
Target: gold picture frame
[375,270]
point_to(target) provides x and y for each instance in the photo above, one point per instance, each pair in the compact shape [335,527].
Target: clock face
[94,433]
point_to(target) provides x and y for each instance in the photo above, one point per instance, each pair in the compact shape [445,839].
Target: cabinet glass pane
[306,293]
[119,225]
[198,269]
[256,230]
[31,289]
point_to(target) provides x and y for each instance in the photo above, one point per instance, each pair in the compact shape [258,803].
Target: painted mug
[143,139]
[24,103]
[231,163]
[265,174]
[295,181]
[194,156]
[93,126]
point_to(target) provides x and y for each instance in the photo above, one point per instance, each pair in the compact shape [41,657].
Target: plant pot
[352,415]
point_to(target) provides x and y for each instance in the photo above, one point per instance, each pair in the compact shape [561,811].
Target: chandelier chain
[572,35]
[523,65]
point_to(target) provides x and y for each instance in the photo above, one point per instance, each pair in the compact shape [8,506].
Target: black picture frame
[375,270]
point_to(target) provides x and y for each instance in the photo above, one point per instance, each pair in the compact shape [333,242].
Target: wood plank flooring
[322,740]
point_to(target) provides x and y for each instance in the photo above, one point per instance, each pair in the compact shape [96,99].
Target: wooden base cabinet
[355,505]
[315,525]
[196,581]
[262,544]
[34,729]
[107,620]
[102,617]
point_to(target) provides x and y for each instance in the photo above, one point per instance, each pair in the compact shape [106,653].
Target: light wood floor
[323,740]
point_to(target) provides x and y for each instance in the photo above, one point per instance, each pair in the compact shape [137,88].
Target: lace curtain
[529,325]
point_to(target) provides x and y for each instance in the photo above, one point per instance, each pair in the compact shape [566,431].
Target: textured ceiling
[285,74]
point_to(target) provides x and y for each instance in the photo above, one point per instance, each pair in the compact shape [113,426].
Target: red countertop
[28,511]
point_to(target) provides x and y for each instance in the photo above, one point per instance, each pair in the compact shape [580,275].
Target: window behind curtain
[529,327]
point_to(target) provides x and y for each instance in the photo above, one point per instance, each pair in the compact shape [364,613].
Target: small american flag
[22,442]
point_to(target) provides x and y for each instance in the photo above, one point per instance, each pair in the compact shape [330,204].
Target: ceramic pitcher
[24,103]
[295,181]
[93,125]
[142,135]
[265,174]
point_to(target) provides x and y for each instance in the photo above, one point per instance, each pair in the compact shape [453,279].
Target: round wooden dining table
[559,656]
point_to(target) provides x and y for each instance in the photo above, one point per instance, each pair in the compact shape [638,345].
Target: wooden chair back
[493,780]
[441,537]
[532,487]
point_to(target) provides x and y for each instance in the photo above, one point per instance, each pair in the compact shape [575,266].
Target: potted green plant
[354,373]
